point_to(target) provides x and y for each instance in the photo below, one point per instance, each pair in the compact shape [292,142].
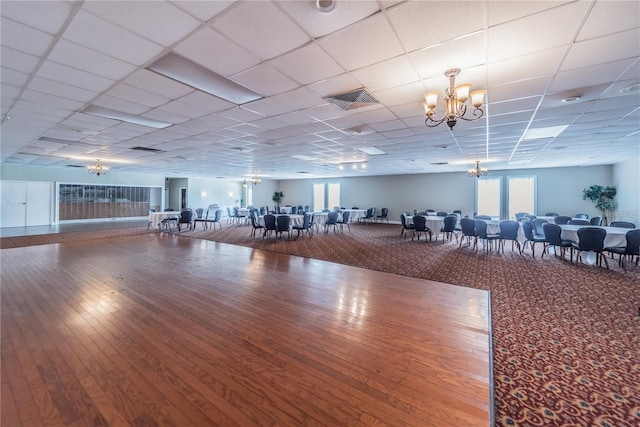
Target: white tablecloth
[156,218]
[321,217]
[297,220]
[285,209]
[616,236]
[434,223]
[354,214]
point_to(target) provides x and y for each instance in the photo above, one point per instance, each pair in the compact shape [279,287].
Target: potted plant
[603,198]
[277,197]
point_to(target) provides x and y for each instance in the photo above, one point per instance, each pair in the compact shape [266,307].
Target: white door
[13,210]
[39,203]
[25,203]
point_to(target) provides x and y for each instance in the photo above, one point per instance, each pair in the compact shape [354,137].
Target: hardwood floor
[166,330]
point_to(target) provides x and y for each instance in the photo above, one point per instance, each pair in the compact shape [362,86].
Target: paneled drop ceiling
[543,63]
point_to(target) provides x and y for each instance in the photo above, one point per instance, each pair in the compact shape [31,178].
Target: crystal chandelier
[255,181]
[455,102]
[98,168]
[478,171]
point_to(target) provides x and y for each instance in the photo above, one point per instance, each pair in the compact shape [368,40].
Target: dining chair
[405,227]
[468,229]
[442,213]
[530,237]
[269,225]
[344,221]
[537,226]
[306,225]
[622,224]
[170,220]
[255,223]
[383,214]
[449,227]
[591,239]
[596,220]
[562,220]
[553,237]
[552,214]
[581,216]
[632,248]
[186,217]
[579,222]
[509,231]
[420,226]
[215,218]
[487,239]
[521,215]
[332,220]
[484,217]
[202,219]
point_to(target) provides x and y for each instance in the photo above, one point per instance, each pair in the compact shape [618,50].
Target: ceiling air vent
[351,100]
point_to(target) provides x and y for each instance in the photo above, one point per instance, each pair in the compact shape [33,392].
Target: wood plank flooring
[163,330]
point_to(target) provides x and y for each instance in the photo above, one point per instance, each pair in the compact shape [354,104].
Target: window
[334,195]
[500,202]
[326,196]
[489,200]
[521,196]
[318,197]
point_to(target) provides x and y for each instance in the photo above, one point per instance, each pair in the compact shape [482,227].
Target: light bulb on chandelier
[477,172]
[98,169]
[455,102]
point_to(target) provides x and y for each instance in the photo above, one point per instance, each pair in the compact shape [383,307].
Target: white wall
[559,190]
[626,178]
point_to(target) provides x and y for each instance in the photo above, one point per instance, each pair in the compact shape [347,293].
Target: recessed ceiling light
[571,99]
[107,113]
[185,71]
[325,6]
[372,151]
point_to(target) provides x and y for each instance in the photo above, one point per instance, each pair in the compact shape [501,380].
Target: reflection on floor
[72,226]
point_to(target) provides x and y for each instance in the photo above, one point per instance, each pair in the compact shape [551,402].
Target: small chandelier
[478,171]
[98,169]
[255,180]
[455,102]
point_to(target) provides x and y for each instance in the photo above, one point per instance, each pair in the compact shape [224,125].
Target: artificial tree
[603,199]
[277,197]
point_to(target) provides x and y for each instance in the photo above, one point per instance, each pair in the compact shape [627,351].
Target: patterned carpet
[566,337]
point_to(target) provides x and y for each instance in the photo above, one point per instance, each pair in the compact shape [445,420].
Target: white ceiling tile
[520,89]
[325,112]
[307,65]
[85,59]
[154,82]
[62,90]
[534,65]
[203,10]
[203,100]
[265,80]
[261,28]
[18,61]
[340,84]
[13,77]
[610,17]
[553,28]
[138,96]
[318,24]
[300,98]
[161,22]
[364,43]
[610,48]
[461,53]
[61,73]
[23,38]
[110,39]
[499,12]
[183,109]
[241,114]
[47,16]
[118,104]
[387,74]
[267,107]
[216,53]
[412,92]
[413,20]
[590,76]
